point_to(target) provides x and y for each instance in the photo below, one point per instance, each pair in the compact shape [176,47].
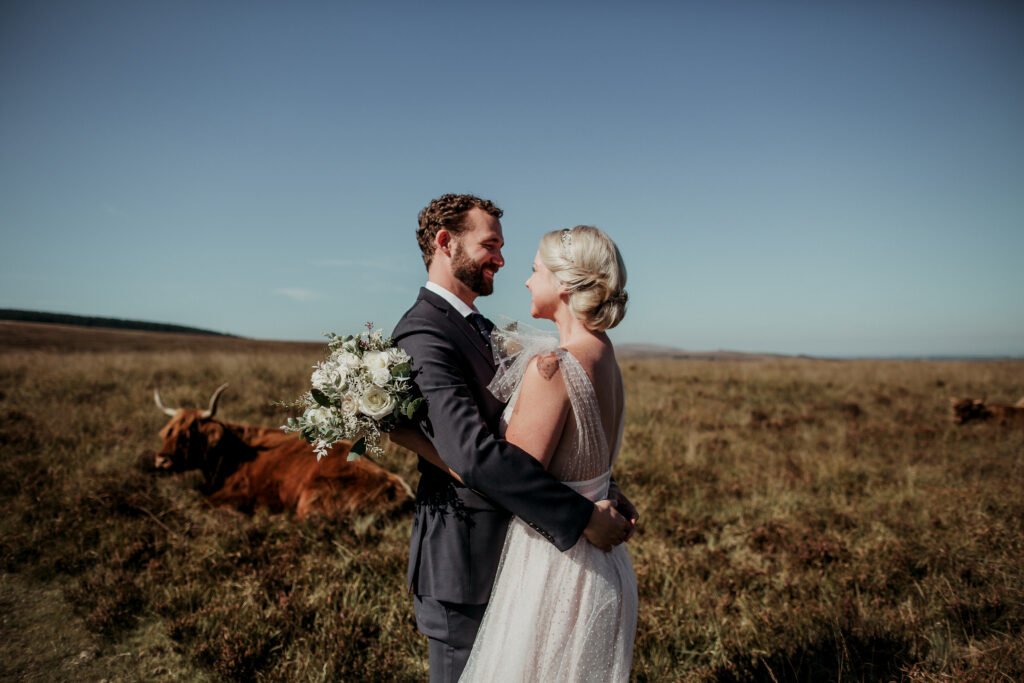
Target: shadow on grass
[844,657]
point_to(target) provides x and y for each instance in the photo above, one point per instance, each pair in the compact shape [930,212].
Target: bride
[568,616]
[555,616]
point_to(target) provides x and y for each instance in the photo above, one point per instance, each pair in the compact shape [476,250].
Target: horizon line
[629,348]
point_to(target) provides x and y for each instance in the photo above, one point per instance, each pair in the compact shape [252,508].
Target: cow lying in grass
[969,409]
[248,467]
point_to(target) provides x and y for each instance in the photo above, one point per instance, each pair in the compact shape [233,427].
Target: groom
[459,529]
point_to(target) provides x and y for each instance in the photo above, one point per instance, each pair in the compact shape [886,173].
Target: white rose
[349,361]
[319,379]
[329,375]
[318,416]
[397,356]
[376,403]
[375,360]
[380,376]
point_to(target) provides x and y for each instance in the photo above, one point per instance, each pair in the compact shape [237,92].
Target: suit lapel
[457,321]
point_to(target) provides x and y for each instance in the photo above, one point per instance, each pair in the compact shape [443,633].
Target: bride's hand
[607,528]
[625,507]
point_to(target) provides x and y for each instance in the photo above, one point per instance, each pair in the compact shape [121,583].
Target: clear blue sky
[825,178]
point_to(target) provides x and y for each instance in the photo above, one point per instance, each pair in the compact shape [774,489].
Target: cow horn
[160,404]
[212,410]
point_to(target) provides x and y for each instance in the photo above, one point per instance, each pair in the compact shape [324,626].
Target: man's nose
[499,260]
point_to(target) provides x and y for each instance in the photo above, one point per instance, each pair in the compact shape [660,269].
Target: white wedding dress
[560,616]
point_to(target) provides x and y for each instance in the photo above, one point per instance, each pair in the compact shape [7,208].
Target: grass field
[802,520]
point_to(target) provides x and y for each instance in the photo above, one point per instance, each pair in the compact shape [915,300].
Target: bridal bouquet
[362,389]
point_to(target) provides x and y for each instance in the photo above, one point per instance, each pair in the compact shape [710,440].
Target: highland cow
[247,467]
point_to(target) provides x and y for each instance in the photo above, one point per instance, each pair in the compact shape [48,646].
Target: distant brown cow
[966,410]
[248,467]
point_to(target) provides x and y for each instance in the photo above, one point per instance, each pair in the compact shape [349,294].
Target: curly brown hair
[448,212]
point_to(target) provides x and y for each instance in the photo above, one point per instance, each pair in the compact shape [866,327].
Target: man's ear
[443,242]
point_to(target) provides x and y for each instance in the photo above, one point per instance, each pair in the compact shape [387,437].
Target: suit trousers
[451,630]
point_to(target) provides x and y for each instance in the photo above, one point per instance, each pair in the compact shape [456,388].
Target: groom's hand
[607,528]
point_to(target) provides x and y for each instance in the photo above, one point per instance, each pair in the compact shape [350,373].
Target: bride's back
[593,429]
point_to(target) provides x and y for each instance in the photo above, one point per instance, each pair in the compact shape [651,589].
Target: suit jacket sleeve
[507,475]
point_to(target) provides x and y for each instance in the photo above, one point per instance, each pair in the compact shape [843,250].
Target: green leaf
[401,370]
[359,447]
[320,398]
[413,407]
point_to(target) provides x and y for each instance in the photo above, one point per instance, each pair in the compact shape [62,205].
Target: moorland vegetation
[802,520]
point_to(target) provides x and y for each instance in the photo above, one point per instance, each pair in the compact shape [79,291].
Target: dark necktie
[482,325]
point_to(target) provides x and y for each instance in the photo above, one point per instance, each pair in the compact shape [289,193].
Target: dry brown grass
[802,520]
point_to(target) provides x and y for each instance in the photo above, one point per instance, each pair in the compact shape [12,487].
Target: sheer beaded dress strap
[592,457]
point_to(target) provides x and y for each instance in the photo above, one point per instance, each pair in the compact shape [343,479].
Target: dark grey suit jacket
[459,530]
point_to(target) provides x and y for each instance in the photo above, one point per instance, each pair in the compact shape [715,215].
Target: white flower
[349,405]
[397,356]
[376,403]
[329,375]
[319,379]
[318,416]
[380,376]
[349,361]
[375,360]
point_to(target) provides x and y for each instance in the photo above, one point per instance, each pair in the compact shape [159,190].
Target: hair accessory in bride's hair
[567,245]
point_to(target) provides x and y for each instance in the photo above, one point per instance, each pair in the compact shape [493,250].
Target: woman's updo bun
[589,265]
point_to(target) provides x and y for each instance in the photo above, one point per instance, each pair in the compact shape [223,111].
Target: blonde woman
[563,616]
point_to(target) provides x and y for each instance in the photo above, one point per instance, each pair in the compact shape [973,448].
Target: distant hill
[109,323]
[17,335]
[658,351]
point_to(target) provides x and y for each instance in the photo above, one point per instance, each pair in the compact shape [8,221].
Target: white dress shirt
[458,304]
